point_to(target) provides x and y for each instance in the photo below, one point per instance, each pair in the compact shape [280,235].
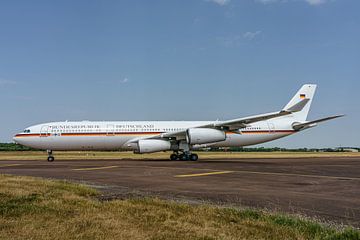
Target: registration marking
[94,168]
[10,165]
[203,174]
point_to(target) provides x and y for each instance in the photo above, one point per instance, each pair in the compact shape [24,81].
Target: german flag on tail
[302,96]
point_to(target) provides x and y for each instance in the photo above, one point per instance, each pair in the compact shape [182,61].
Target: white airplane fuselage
[91,135]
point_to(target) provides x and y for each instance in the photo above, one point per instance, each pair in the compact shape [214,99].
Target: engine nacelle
[152,145]
[204,135]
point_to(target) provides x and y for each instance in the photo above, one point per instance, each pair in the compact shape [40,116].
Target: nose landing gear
[50,156]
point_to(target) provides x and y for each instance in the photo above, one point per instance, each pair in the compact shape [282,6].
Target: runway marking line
[266,173]
[299,175]
[10,165]
[94,168]
[202,174]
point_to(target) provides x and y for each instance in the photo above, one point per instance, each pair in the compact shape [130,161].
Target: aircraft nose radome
[15,139]
[18,140]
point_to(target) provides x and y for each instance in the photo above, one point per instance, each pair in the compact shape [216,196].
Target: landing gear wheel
[174,157]
[194,157]
[183,157]
[50,156]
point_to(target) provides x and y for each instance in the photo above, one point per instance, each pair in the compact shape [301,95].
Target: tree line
[18,147]
[14,147]
[275,149]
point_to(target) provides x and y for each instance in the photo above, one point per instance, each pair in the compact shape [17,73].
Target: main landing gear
[185,156]
[50,156]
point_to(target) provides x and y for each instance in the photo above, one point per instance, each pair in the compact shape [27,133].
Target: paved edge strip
[94,168]
[298,175]
[10,165]
[202,174]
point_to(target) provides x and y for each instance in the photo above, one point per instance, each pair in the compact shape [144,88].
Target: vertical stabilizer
[307,91]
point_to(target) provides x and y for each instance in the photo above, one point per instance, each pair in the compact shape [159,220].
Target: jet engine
[204,135]
[152,145]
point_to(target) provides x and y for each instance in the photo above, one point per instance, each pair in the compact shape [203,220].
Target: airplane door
[271,127]
[44,131]
[110,130]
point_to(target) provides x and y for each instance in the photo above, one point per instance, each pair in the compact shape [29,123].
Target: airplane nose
[15,139]
[18,139]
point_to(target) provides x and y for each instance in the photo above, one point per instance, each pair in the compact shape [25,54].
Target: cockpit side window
[27,131]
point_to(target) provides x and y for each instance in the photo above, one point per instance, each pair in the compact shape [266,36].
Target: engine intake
[204,135]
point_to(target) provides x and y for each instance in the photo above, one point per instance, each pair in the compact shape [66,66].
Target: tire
[50,159]
[174,157]
[194,157]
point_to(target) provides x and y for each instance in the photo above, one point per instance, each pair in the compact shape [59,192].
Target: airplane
[180,137]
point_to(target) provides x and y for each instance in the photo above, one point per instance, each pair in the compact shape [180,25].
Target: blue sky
[179,60]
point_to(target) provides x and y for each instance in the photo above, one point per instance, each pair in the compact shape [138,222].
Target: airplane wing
[234,124]
[302,126]
[242,122]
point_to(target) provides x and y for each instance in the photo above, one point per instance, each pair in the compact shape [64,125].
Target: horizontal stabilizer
[301,126]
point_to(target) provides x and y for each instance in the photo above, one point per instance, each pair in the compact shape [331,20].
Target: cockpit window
[27,131]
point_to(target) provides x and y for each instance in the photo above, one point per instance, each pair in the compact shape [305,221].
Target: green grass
[34,208]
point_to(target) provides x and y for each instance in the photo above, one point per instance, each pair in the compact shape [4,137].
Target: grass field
[40,155]
[33,208]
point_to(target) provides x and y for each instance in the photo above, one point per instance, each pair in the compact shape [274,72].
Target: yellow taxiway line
[267,173]
[202,174]
[299,175]
[10,165]
[94,168]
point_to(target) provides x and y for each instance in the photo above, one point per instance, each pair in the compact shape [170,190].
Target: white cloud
[196,20]
[220,2]
[22,98]
[311,2]
[237,40]
[315,2]
[251,35]
[231,41]
[266,1]
[125,80]
[6,82]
